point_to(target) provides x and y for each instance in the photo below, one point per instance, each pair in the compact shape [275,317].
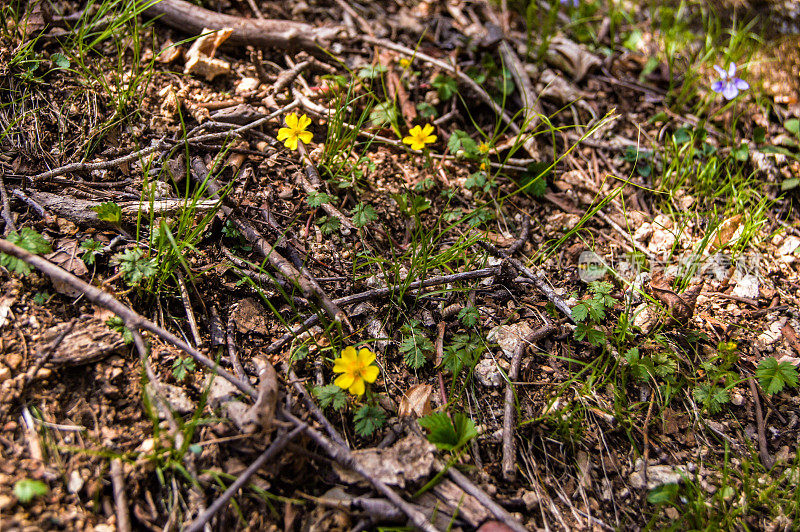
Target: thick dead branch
[283,34]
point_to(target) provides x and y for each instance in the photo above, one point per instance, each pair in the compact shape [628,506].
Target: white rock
[771,335]
[643,232]
[747,287]
[488,374]
[657,475]
[509,337]
[789,246]
[75,482]
[246,85]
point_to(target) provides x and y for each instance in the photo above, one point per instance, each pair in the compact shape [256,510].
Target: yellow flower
[296,131]
[355,369]
[418,137]
[483,147]
[404,62]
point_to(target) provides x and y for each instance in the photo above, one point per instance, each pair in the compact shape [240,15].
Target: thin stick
[509,444]
[315,411]
[233,357]
[187,304]
[162,144]
[120,498]
[131,318]
[223,499]
[378,293]
[44,357]
[344,457]
[498,511]
[524,235]
[537,279]
[43,214]
[646,438]
[309,288]
[6,210]
[763,451]
[462,77]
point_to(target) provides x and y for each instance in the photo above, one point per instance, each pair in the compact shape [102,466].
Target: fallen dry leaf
[416,401]
[200,57]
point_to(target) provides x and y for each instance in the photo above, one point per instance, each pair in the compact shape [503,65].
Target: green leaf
[30,241]
[414,349]
[329,224]
[60,60]
[448,435]
[446,86]
[330,395]
[682,135]
[369,418]
[580,312]
[790,184]
[426,110]
[300,353]
[742,153]
[461,144]
[182,366]
[462,352]
[712,397]
[469,316]
[793,126]
[91,249]
[382,113]
[664,494]
[774,376]
[109,212]
[476,180]
[371,71]
[317,199]
[134,267]
[40,298]
[26,489]
[363,213]
[118,325]
[601,287]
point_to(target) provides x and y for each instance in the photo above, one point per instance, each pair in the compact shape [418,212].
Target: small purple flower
[729,86]
[571,3]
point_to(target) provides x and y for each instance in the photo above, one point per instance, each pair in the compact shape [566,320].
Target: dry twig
[509,445]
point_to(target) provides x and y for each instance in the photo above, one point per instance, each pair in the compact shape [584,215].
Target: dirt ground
[592,442]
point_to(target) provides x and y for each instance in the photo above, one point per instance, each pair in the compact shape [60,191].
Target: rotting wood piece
[284,34]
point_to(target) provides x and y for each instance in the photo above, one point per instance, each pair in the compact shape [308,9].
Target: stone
[488,373]
[509,337]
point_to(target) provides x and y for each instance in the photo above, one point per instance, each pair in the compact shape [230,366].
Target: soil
[69,410]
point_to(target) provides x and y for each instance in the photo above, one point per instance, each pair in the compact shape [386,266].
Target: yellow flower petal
[365,356]
[284,133]
[415,131]
[341,366]
[349,353]
[291,120]
[303,122]
[370,373]
[430,139]
[306,136]
[358,387]
[344,381]
[291,142]
[427,130]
